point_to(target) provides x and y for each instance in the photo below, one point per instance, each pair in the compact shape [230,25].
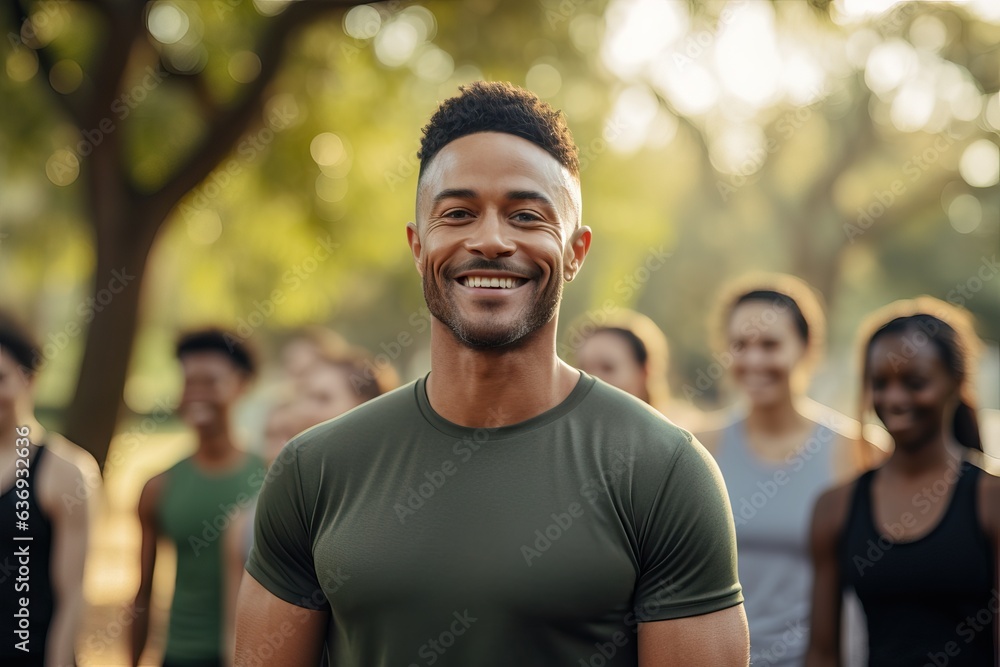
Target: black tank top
[930,601]
[31,580]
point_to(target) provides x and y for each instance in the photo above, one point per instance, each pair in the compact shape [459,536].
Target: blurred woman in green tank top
[195,502]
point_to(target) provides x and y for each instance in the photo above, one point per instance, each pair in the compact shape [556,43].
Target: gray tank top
[772,506]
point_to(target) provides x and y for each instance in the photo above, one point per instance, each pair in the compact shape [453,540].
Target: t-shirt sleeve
[281,555]
[687,539]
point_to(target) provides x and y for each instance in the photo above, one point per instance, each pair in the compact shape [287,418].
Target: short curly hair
[498,106]
[228,343]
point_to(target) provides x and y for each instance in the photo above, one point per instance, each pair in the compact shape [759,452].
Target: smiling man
[506,509]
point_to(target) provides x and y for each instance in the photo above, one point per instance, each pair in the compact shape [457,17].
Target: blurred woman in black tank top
[918,538]
[47,487]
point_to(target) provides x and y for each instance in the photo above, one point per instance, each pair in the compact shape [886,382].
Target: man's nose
[489,237]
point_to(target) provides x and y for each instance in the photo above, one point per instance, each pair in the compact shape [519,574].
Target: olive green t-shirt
[541,543]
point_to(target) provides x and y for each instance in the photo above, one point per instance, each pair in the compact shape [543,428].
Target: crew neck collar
[579,392]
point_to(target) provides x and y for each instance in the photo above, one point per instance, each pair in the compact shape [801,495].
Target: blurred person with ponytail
[918,537]
[630,352]
[777,454]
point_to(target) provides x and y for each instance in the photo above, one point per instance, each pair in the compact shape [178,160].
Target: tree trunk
[124,232]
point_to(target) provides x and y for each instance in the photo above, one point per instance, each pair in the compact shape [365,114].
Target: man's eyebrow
[530,195]
[454,193]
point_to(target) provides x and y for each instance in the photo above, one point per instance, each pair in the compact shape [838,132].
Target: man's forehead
[498,161]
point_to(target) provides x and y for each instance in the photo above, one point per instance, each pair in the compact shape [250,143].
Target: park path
[112,574]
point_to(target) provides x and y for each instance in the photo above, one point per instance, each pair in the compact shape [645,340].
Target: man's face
[495,237]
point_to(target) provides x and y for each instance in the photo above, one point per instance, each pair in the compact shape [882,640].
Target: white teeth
[478,281]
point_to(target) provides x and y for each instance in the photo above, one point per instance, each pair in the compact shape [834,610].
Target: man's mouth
[491,282]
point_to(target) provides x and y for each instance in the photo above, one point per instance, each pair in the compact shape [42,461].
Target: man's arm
[148,502]
[71,523]
[260,616]
[719,639]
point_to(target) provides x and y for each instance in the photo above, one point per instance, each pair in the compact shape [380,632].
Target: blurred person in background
[194,502]
[777,454]
[630,352]
[50,483]
[918,537]
[338,382]
[304,348]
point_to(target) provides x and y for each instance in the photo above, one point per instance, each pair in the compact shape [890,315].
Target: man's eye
[526,216]
[457,214]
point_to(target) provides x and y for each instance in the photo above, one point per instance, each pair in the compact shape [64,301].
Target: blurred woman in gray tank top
[778,451]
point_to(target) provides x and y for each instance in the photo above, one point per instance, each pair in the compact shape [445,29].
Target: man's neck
[492,388]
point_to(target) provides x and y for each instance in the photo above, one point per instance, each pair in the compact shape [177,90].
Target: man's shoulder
[608,402]
[630,419]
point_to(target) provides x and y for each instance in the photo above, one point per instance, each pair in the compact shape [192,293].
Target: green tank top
[196,509]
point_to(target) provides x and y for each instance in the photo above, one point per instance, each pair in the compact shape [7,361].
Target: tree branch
[125,27]
[227,127]
[20,14]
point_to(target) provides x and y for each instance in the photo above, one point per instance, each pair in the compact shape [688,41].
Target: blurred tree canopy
[850,144]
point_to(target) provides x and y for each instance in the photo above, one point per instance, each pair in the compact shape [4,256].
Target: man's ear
[576,252]
[413,238]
